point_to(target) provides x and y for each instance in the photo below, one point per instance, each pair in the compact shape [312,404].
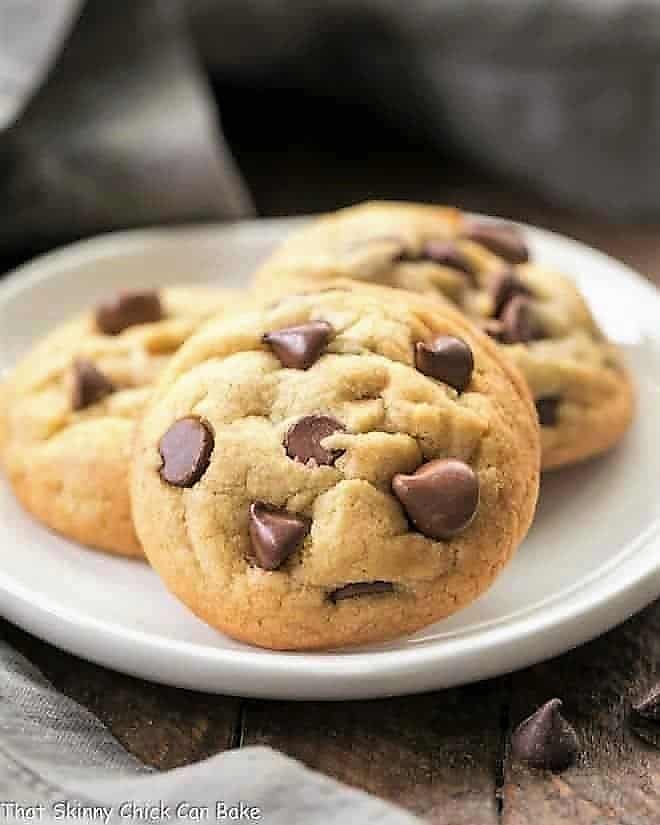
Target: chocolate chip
[649,706]
[275,534]
[299,347]
[545,739]
[186,451]
[90,385]
[447,359]
[127,309]
[448,254]
[503,287]
[354,589]
[303,440]
[441,252]
[518,322]
[440,498]
[548,410]
[503,239]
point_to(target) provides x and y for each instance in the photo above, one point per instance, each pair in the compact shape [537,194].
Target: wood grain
[617,778]
[436,754]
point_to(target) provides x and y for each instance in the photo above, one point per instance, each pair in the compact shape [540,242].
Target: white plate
[591,559]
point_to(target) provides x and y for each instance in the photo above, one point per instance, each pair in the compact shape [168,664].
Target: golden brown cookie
[583,393]
[68,410]
[339,468]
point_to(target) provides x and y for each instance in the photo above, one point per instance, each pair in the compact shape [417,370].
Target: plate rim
[621,587]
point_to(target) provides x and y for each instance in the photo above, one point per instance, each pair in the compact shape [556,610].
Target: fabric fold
[57,755]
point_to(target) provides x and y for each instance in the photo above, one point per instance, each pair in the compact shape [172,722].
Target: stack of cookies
[343,454]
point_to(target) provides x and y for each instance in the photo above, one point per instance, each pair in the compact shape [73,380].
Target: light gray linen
[28,50]
[118,129]
[53,751]
[561,94]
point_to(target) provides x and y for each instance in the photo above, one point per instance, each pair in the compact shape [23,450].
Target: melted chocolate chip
[275,534]
[503,287]
[545,739]
[447,359]
[518,322]
[90,385]
[441,498]
[186,451]
[448,254]
[127,309]
[303,440]
[299,347]
[502,239]
[548,410]
[444,253]
[355,589]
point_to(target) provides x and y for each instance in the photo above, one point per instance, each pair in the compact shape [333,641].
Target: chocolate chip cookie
[339,468]
[582,391]
[68,410]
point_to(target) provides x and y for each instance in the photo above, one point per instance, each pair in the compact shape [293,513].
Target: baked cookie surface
[339,468]
[583,393]
[68,409]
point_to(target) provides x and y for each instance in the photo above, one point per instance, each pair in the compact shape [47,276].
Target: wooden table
[443,755]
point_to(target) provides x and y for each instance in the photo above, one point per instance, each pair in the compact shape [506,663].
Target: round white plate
[591,559]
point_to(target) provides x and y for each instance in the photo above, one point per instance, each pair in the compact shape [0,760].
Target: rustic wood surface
[443,755]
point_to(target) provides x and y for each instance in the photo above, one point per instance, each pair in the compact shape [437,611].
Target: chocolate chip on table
[518,323]
[502,239]
[545,739]
[355,589]
[300,346]
[647,730]
[128,309]
[503,287]
[90,385]
[646,715]
[441,497]
[303,439]
[547,410]
[275,534]
[447,359]
[649,706]
[186,451]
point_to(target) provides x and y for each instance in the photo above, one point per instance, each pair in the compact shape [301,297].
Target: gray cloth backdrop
[106,119]
[112,126]
[561,94]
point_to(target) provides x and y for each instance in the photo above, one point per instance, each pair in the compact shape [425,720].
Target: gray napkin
[27,50]
[56,755]
[108,123]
